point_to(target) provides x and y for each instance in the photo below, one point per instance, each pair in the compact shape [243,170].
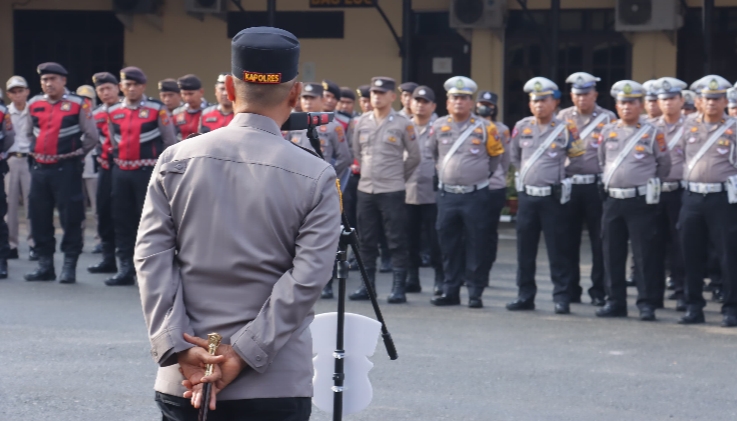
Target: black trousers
[57,185]
[464,232]
[669,210]
[498,201]
[585,207]
[388,210]
[707,217]
[421,220]
[129,192]
[4,242]
[105,225]
[632,220]
[546,215]
[174,408]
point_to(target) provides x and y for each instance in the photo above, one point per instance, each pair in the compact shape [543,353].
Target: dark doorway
[587,43]
[84,42]
[691,55]
[438,53]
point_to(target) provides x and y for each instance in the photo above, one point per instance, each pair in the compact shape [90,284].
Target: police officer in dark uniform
[63,131]
[220,114]
[187,117]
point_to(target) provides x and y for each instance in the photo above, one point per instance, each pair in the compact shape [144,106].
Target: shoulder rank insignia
[526,131]
[445,129]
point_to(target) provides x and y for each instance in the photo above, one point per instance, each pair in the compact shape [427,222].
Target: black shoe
[562,308]
[446,300]
[327,292]
[126,275]
[13,253]
[69,270]
[611,311]
[692,317]
[3,269]
[44,272]
[399,286]
[681,305]
[386,265]
[647,314]
[730,319]
[107,265]
[33,255]
[413,281]
[475,303]
[674,295]
[361,294]
[717,295]
[576,300]
[518,304]
[598,302]
[97,249]
[437,290]
[631,281]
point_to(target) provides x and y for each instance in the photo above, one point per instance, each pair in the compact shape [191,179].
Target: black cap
[424,92]
[487,97]
[103,78]
[189,83]
[331,87]
[264,55]
[51,68]
[168,85]
[408,87]
[364,91]
[382,84]
[133,73]
[312,89]
[346,92]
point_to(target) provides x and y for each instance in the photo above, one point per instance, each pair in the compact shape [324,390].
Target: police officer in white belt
[540,145]
[467,150]
[709,212]
[634,157]
[585,205]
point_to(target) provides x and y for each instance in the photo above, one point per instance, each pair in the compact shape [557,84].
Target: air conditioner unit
[481,14]
[132,7]
[206,6]
[648,15]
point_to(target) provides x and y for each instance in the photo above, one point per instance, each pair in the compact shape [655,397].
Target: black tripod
[347,237]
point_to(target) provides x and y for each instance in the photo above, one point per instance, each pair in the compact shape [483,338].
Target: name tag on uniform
[211,120]
[118,116]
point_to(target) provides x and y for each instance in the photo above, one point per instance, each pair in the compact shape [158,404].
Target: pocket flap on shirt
[178,167]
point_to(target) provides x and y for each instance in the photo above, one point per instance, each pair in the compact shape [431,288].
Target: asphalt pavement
[80,352]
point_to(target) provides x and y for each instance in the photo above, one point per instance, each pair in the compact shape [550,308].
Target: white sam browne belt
[464,189]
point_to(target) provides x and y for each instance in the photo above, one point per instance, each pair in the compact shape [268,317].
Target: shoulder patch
[660,138]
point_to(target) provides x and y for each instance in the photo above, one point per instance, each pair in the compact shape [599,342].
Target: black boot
[398,288]
[439,279]
[69,270]
[386,263]
[126,274]
[361,294]
[3,268]
[327,292]
[44,271]
[107,265]
[413,280]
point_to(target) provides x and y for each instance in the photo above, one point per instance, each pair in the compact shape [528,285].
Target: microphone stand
[347,237]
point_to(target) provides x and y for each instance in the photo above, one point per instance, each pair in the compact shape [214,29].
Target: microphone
[303,121]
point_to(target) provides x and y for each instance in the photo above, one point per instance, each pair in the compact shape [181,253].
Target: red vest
[136,137]
[100,114]
[186,121]
[56,127]
[212,118]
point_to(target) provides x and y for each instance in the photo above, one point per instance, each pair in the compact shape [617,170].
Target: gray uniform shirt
[549,169]
[588,163]
[498,179]
[420,189]
[252,273]
[379,148]
[649,158]
[334,147]
[477,157]
[719,162]
[676,153]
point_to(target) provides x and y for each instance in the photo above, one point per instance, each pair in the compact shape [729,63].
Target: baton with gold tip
[213,341]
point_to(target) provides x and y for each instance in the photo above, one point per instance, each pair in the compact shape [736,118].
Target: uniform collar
[220,108]
[63,97]
[190,110]
[13,110]
[140,103]
[389,117]
[256,121]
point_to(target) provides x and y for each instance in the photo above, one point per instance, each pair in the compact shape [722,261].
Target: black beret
[264,55]
[346,92]
[189,83]
[487,97]
[168,85]
[382,84]
[103,78]
[133,73]
[51,68]
[364,91]
[312,89]
[331,87]
[408,87]
[425,93]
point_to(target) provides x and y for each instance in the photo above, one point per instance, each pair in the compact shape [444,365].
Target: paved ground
[80,352]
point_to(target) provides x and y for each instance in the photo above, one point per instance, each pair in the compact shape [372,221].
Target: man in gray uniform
[406,91]
[633,154]
[467,150]
[651,100]
[709,212]
[381,139]
[732,105]
[584,172]
[254,273]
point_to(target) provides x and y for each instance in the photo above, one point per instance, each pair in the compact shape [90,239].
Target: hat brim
[582,91]
[628,98]
[425,97]
[714,95]
[668,95]
[310,94]
[540,95]
[379,89]
[458,91]
[15,85]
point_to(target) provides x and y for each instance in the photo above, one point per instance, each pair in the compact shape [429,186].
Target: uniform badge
[211,120]
[475,141]
[645,136]
[118,116]
[8,122]
[392,139]
[639,155]
[515,132]
[723,142]
[164,116]
[444,141]
[691,140]
[526,144]
[143,113]
[295,139]
[553,145]
[445,129]
[722,151]
[478,130]
[600,125]
[729,132]
[612,134]
[527,131]
[411,132]
[66,106]
[694,129]
[322,142]
[612,145]
[639,148]
[552,154]
[339,130]
[181,119]
[474,151]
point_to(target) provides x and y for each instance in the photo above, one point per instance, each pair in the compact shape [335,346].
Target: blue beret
[264,55]
[51,68]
